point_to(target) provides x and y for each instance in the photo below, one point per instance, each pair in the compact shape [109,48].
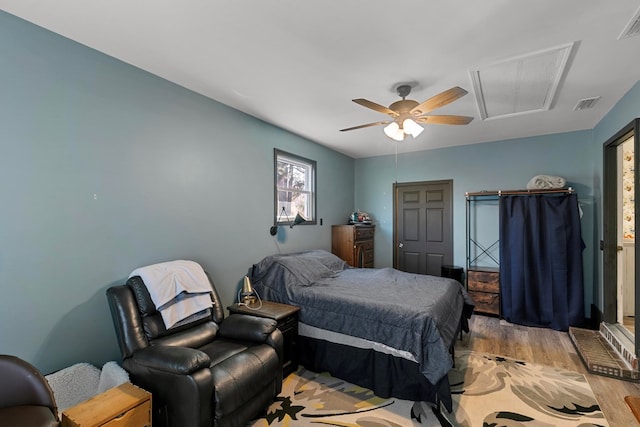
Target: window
[295,188]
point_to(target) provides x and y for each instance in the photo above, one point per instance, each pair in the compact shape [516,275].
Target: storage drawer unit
[125,405]
[354,244]
[483,285]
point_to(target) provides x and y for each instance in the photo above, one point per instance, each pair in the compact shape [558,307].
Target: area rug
[488,390]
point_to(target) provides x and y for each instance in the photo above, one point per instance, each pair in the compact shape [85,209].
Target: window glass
[295,187]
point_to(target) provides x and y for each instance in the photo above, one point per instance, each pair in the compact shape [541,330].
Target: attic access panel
[520,85]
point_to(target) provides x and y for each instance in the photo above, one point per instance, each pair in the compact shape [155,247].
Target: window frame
[278,218]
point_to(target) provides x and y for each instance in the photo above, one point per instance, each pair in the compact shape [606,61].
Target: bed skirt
[386,375]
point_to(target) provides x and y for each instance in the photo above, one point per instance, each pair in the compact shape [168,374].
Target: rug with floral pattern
[488,390]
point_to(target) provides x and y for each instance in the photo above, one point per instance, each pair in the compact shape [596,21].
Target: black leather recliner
[215,371]
[26,399]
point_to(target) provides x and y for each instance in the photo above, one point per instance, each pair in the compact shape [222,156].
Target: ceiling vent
[520,85]
[585,104]
[632,28]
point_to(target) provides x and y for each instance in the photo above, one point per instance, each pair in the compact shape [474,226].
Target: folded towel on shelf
[177,288]
[546,182]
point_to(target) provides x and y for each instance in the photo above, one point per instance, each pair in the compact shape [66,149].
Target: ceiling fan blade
[376,107]
[444,120]
[365,126]
[439,100]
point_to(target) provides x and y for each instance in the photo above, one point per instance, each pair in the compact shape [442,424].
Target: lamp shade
[298,220]
[412,128]
[393,131]
[247,295]
[247,289]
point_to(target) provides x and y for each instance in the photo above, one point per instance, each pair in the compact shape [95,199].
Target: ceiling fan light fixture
[412,128]
[393,131]
[405,111]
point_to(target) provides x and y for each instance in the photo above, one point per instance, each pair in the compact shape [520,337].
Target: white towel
[546,182]
[166,281]
[183,306]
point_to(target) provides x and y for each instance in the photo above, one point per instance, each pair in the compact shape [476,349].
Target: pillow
[311,266]
[329,260]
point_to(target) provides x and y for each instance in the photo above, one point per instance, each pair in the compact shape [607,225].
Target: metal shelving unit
[476,249]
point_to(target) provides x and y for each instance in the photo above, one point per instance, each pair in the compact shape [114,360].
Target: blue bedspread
[411,312]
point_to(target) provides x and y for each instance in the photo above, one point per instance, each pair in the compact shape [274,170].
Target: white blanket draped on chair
[178,289]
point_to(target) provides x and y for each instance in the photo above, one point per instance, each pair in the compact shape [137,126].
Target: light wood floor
[629,322]
[551,348]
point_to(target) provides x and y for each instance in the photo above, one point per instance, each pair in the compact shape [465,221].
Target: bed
[383,329]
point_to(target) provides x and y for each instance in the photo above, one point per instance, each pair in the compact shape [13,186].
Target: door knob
[400,245]
[619,248]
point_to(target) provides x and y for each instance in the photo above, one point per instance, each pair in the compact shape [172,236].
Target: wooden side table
[287,318]
[125,405]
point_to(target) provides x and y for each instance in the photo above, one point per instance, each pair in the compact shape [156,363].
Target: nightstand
[287,318]
[125,405]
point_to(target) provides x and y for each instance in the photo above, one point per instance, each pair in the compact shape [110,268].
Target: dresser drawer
[486,302]
[483,281]
[364,233]
[366,246]
[138,416]
[493,287]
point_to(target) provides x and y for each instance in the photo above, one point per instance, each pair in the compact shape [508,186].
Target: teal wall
[499,165]
[175,176]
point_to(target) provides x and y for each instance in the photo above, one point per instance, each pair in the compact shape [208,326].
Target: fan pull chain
[396,162]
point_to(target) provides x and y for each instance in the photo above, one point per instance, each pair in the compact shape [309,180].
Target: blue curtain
[541,281]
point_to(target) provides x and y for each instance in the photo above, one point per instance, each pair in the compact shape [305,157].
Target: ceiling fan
[407,113]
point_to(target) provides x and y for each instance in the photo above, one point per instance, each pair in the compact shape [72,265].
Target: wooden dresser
[353,243]
[483,285]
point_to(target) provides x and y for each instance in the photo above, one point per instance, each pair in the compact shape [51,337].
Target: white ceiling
[298,64]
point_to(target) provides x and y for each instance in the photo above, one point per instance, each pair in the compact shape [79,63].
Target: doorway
[620,255]
[423,226]
[626,235]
